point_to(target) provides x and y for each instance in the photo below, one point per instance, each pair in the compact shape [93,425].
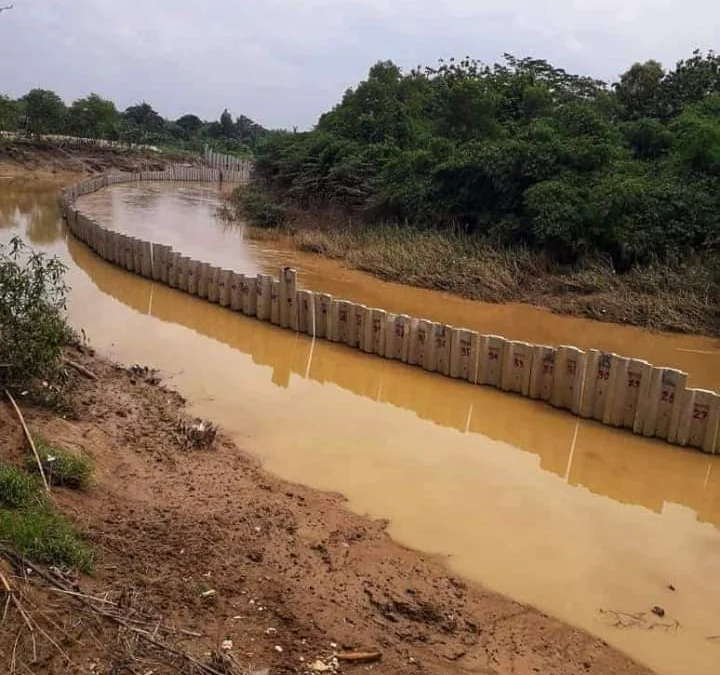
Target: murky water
[565,514]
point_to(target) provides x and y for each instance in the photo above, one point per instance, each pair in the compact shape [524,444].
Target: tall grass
[18,490]
[683,298]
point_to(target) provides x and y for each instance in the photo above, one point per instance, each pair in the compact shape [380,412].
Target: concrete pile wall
[615,390]
[228,163]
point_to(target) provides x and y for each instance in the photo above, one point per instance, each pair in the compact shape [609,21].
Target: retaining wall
[615,390]
[217,160]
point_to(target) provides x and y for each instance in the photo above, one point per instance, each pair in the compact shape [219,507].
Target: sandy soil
[39,161]
[296,576]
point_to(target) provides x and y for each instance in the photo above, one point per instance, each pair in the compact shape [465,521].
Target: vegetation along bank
[515,182]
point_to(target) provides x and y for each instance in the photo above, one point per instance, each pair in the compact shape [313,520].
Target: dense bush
[518,153]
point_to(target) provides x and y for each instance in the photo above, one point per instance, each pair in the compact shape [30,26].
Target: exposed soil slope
[206,547]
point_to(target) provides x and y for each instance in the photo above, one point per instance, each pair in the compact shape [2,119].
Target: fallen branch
[176,652]
[81,369]
[83,596]
[30,440]
[24,564]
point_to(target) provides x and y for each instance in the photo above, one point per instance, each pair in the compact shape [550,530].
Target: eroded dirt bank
[42,160]
[296,577]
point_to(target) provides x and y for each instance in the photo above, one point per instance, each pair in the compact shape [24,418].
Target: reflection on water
[186,218]
[633,470]
[181,215]
[563,513]
[31,208]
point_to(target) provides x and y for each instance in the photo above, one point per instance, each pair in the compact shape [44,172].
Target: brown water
[562,513]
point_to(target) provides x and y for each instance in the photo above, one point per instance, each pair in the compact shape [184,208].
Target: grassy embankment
[658,296]
[30,525]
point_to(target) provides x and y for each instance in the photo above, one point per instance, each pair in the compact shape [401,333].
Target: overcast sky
[283,62]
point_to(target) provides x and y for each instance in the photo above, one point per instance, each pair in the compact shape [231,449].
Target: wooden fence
[623,392]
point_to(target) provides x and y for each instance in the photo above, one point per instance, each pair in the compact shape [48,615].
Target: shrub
[33,329]
[261,210]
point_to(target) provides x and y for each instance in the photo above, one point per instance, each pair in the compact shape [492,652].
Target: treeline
[42,111]
[517,153]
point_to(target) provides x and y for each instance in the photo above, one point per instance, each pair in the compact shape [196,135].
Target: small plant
[62,468]
[18,490]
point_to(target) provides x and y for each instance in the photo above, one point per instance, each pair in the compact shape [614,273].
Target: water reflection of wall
[605,460]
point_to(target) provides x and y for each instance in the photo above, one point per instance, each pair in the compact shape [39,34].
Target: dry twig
[143,628]
[29,439]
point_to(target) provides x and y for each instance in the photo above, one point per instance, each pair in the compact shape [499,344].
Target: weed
[45,537]
[31,528]
[62,468]
[33,329]
[18,490]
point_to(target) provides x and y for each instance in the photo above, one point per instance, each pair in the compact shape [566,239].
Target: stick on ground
[30,440]
[81,369]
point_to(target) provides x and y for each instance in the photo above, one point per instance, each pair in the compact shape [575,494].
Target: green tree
[697,139]
[521,152]
[45,111]
[10,114]
[691,81]
[648,137]
[190,124]
[227,128]
[142,122]
[94,117]
[639,90]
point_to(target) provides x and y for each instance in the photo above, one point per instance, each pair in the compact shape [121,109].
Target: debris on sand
[198,434]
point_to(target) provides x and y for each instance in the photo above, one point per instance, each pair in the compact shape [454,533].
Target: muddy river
[588,523]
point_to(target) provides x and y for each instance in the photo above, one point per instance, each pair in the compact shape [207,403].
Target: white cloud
[285,61]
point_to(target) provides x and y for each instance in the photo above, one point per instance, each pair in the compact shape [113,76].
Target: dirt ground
[42,160]
[207,553]
[206,564]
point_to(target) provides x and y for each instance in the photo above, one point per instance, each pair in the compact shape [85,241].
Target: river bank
[295,577]
[681,298]
[389,435]
[38,160]
[208,550]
